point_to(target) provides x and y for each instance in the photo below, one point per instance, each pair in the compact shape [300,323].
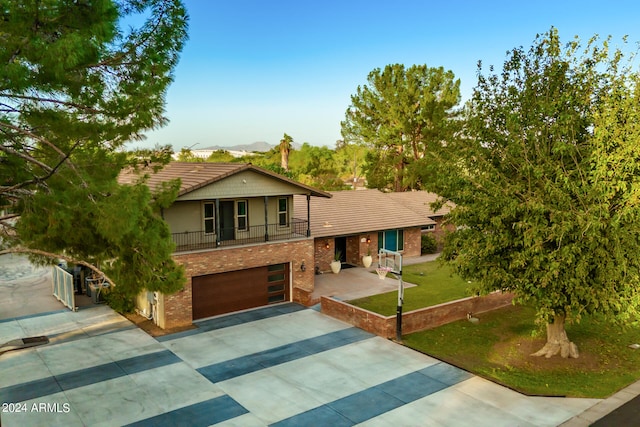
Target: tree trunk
[284,159]
[557,341]
[399,176]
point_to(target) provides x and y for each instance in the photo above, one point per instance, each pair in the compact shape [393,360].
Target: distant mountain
[259,146]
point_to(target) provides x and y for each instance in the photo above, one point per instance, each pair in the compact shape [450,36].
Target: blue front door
[391,240]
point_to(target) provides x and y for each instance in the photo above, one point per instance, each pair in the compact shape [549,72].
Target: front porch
[352,283]
[360,282]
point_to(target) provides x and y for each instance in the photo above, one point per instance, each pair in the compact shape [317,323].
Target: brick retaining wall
[416,320]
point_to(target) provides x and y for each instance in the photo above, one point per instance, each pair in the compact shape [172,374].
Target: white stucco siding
[242,185]
[184,216]
[188,216]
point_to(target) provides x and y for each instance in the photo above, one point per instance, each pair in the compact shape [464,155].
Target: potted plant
[367,259]
[336,264]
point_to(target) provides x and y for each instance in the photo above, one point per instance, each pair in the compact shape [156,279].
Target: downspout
[308,215]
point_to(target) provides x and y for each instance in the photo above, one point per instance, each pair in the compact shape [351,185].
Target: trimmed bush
[428,244]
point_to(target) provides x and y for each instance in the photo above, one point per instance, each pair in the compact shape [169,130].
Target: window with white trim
[209,217]
[241,209]
[283,211]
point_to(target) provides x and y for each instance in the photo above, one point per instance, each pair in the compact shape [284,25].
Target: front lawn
[435,282]
[499,348]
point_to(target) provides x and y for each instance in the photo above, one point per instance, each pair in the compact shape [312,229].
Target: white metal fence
[63,287]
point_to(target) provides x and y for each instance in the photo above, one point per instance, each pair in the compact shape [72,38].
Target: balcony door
[227,224]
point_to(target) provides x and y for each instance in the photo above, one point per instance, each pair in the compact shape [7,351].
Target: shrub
[120,300]
[428,244]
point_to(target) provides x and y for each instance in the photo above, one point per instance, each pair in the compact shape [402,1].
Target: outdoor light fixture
[326,244]
[303,267]
[368,239]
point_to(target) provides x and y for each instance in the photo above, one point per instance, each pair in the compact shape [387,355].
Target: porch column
[266,218]
[308,215]
[217,214]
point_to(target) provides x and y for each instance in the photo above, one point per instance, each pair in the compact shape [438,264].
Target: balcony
[196,240]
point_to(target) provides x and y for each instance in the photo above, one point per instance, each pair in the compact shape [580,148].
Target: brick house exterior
[358,222]
[248,237]
[236,236]
[420,202]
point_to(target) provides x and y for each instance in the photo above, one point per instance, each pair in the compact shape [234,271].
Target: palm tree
[285,147]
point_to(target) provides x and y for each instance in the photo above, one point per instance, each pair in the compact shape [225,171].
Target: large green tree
[270,160]
[350,161]
[401,114]
[76,84]
[547,184]
[316,166]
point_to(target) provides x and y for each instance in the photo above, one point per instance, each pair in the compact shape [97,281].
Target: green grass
[499,348]
[436,284]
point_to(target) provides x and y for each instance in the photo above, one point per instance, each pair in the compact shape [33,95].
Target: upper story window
[209,217]
[241,208]
[283,211]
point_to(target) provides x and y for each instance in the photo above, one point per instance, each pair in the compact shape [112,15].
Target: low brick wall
[359,317]
[416,320]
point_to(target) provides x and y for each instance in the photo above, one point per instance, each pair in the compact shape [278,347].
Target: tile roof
[197,175]
[420,201]
[360,211]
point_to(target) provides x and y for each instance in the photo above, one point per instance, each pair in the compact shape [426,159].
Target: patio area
[359,282]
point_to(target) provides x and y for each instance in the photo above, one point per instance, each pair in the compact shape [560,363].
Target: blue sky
[253,70]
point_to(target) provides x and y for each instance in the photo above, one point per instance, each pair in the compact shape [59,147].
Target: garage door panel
[239,290]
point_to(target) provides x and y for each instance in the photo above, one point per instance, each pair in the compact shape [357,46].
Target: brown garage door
[221,293]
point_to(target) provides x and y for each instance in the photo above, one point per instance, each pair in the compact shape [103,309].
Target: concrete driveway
[24,288]
[283,365]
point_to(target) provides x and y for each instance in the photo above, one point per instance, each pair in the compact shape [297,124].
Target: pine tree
[400,115]
[75,86]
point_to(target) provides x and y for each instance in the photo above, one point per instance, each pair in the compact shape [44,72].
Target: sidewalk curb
[605,407]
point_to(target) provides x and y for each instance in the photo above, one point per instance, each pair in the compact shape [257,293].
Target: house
[238,238]
[354,223]
[420,202]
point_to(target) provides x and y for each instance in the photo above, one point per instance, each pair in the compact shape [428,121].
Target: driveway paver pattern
[283,365]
